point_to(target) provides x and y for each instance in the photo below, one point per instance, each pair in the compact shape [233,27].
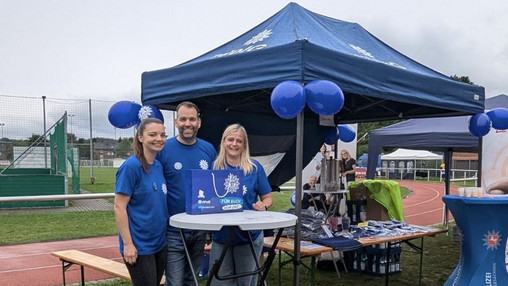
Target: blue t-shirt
[147,208]
[256,184]
[175,159]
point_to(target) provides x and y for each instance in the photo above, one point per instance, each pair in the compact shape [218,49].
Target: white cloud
[99,49]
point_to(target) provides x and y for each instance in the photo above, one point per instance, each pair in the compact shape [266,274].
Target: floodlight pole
[70,117]
[92,177]
[45,141]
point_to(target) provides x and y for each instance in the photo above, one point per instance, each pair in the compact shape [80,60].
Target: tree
[124,148]
[362,143]
[464,79]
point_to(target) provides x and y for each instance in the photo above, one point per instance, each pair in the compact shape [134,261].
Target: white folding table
[244,220]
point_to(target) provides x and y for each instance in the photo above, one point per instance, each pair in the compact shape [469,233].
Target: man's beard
[187,135]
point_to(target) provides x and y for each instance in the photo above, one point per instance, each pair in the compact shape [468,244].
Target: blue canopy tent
[433,134]
[233,83]
[445,134]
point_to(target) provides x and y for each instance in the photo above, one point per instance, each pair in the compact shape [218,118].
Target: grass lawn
[440,254]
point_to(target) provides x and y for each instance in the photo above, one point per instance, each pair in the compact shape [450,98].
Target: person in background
[348,168]
[325,152]
[182,152]
[141,210]
[309,198]
[234,154]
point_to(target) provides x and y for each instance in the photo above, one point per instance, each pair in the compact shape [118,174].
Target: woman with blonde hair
[348,167]
[234,154]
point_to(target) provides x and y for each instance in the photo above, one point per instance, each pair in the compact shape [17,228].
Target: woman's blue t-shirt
[147,208]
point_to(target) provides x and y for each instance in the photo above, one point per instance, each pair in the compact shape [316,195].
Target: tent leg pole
[298,186]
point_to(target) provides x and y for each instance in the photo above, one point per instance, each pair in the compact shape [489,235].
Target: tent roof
[436,134]
[379,83]
[496,101]
[233,82]
[407,154]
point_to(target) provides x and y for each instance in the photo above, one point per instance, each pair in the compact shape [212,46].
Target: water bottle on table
[346,222]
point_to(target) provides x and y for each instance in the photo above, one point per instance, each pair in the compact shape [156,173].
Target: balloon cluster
[125,114]
[480,123]
[322,96]
[344,133]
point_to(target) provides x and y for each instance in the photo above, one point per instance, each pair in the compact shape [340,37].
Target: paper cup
[474,192]
[469,191]
[462,191]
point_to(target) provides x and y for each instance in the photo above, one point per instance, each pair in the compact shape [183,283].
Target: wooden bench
[111,267]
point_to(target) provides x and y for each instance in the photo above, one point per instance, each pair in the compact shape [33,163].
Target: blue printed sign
[213,191]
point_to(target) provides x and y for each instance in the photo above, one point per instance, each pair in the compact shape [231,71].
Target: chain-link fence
[24,119]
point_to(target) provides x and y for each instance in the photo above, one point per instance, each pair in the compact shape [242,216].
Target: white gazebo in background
[409,164]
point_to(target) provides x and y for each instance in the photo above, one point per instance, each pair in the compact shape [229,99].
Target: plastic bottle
[346,222]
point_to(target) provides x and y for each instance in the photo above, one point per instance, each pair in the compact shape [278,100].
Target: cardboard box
[374,210]
[359,193]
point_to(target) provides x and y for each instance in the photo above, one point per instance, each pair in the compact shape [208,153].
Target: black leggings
[148,269]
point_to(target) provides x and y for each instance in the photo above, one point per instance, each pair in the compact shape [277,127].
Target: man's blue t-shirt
[147,209]
[256,184]
[175,159]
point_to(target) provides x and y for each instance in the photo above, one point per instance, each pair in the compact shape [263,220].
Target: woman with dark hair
[141,210]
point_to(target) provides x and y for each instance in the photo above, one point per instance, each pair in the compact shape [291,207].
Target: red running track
[425,206]
[33,264]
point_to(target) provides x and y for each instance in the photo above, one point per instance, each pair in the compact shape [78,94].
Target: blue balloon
[150,111]
[332,136]
[346,133]
[288,99]
[479,124]
[499,118]
[293,198]
[124,114]
[324,97]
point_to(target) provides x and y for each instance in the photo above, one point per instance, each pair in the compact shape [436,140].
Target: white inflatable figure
[495,162]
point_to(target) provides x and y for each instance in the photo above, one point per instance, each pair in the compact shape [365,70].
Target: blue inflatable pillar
[484,227]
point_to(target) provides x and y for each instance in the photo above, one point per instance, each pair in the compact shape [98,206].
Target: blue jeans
[178,272]
[238,260]
[148,269]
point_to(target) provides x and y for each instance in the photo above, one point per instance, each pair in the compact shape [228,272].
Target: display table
[287,245]
[484,228]
[246,220]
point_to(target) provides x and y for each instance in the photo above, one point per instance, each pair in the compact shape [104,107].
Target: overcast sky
[98,48]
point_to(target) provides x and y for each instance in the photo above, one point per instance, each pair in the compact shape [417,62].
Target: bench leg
[66,265]
[82,275]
